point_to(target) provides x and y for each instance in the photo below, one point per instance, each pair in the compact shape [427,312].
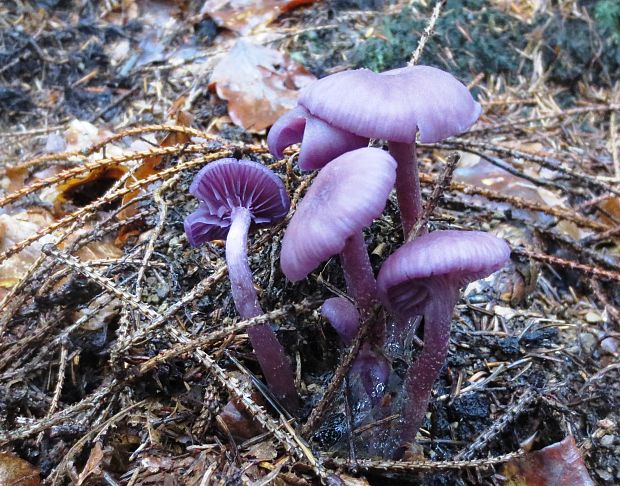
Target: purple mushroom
[372,368]
[423,277]
[342,111]
[343,317]
[235,194]
[346,196]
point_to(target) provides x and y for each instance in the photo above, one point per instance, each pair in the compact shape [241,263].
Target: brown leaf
[475,171]
[260,84]
[17,472]
[92,465]
[13,229]
[559,464]
[81,135]
[243,16]
[99,250]
[85,189]
[150,165]
[15,178]
[238,421]
[611,210]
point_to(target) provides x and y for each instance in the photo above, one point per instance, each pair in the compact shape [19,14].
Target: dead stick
[438,189]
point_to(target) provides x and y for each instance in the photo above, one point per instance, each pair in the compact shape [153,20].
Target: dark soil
[543,330]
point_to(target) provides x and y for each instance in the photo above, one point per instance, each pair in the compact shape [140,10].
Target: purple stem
[269,352]
[361,283]
[425,370]
[408,191]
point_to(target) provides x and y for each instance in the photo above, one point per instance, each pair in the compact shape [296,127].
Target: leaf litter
[111,365]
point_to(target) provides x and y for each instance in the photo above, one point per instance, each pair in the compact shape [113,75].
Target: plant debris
[119,343]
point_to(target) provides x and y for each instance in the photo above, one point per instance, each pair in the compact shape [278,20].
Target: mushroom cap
[346,196]
[320,142]
[226,184]
[392,105]
[343,316]
[418,269]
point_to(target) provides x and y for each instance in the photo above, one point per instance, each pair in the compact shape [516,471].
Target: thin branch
[438,189]
[428,32]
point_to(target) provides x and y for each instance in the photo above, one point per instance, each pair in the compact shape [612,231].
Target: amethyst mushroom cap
[235,194]
[346,196]
[393,105]
[423,277]
[320,141]
[352,106]
[343,317]
[226,184]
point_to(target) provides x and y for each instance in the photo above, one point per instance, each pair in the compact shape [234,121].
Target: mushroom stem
[425,370]
[408,191]
[361,283]
[270,354]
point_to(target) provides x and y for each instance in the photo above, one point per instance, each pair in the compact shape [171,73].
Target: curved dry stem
[109,197]
[98,164]
[129,132]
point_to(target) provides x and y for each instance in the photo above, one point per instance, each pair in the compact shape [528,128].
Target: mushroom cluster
[416,288]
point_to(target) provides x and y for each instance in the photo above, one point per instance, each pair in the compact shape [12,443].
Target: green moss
[472,37]
[585,47]
[607,15]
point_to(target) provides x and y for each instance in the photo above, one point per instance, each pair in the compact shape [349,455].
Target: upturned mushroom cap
[229,183]
[418,269]
[392,105]
[346,196]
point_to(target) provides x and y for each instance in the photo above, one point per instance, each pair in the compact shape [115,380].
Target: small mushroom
[343,317]
[392,106]
[372,367]
[346,196]
[235,194]
[423,277]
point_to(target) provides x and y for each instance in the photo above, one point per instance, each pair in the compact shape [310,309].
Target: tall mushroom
[346,196]
[423,277]
[235,194]
[352,106]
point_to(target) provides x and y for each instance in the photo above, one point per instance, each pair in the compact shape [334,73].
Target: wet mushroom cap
[392,105]
[346,196]
[229,183]
[443,258]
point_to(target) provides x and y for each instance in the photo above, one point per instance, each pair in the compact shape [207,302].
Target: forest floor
[120,344]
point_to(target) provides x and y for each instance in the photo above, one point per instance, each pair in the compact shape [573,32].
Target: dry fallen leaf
[559,464]
[15,228]
[149,165]
[92,465]
[243,16]
[611,210]
[475,171]
[85,189]
[13,180]
[81,135]
[260,84]
[100,313]
[17,472]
